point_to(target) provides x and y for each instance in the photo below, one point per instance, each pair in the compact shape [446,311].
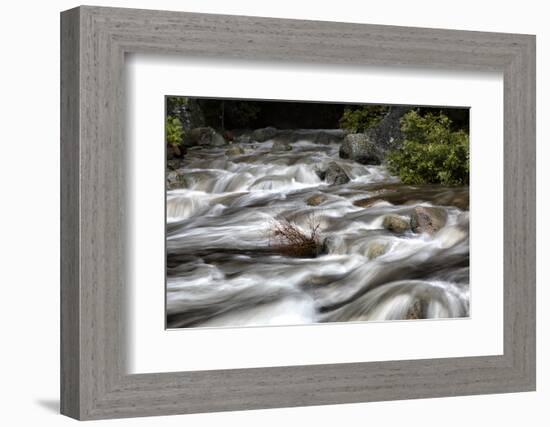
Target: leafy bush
[431,151]
[175,104]
[174,131]
[358,120]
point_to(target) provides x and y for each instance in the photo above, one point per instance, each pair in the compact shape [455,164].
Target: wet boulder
[174,164]
[320,171]
[463,221]
[316,199]
[377,249]
[174,151]
[335,175]
[387,133]
[280,146]
[395,223]
[416,311]
[425,219]
[264,134]
[361,148]
[368,202]
[329,136]
[175,179]
[204,136]
[234,150]
[332,245]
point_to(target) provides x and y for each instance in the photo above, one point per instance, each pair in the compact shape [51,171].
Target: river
[223,271]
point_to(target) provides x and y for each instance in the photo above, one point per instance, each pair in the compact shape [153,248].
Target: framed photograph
[262,213]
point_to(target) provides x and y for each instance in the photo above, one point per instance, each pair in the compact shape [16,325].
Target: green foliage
[175,104]
[431,151]
[174,131]
[358,120]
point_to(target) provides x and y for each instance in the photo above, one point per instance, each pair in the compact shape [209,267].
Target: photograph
[293,213]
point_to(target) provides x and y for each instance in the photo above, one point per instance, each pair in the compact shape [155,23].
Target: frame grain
[94,382]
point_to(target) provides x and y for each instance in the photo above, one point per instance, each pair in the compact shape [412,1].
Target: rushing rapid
[222,269]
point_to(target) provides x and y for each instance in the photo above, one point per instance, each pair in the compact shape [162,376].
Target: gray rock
[426,219]
[175,179]
[387,134]
[463,221]
[279,146]
[368,202]
[395,224]
[264,134]
[234,150]
[335,175]
[416,311]
[204,136]
[377,249]
[173,164]
[331,244]
[361,148]
[319,136]
[328,137]
[370,148]
[316,199]
[320,172]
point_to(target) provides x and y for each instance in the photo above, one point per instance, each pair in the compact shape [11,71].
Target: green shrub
[174,131]
[175,104]
[358,120]
[431,151]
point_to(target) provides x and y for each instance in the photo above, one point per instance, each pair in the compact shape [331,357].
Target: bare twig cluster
[291,240]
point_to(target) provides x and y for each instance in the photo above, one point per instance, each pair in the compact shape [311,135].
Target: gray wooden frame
[94,41]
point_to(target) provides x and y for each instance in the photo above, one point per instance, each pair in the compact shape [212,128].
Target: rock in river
[279,146]
[175,179]
[335,175]
[425,219]
[316,199]
[368,202]
[395,223]
[205,136]
[264,134]
[361,148]
[234,150]
[377,249]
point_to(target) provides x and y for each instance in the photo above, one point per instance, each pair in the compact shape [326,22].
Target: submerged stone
[316,199]
[280,146]
[395,223]
[377,249]
[234,150]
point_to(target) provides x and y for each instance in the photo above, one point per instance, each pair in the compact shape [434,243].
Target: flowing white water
[223,272]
